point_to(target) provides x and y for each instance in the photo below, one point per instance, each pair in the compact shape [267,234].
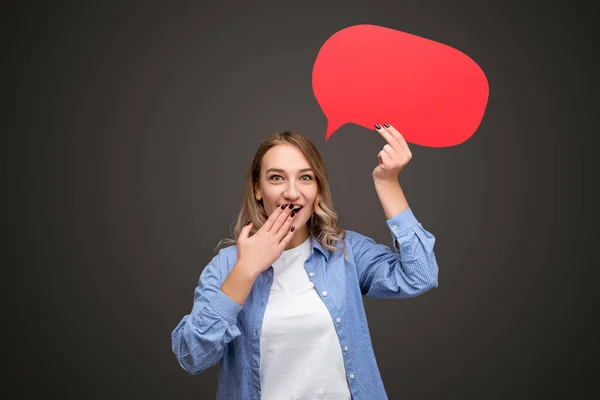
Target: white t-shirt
[300,353]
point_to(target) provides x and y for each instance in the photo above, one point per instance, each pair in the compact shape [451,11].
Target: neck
[299,237]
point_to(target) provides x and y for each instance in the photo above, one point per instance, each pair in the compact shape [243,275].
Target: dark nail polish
[248,223]
[386,125]
[377,126]
[293,213]
[293,228]
[283,206]
[291,205]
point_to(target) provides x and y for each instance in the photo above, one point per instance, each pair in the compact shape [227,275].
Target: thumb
[246,230]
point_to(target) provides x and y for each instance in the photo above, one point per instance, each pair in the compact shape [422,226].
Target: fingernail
[283,206]
[291,205]
[293,213]
[377,126]
[248,223]
[386,125]
[293,228]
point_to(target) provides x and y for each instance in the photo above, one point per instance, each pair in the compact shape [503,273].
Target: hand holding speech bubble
[432,93]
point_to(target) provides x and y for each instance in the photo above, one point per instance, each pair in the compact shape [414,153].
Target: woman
[282,307]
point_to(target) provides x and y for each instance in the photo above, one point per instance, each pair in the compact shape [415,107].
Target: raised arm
[411,268]
[407,271]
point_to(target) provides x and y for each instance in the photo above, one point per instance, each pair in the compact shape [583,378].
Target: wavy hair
[322,223]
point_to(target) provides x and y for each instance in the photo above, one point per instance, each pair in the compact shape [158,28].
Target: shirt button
[255,363]
[338,320]
[394,226]
[345,348]
[324,292]
[311,274]
[351,376]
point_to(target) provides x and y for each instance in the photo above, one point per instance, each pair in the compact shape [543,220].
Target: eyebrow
[282,171]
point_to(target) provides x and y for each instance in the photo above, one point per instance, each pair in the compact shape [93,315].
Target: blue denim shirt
[219,329]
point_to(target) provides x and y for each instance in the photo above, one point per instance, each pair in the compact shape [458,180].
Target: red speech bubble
[432,93]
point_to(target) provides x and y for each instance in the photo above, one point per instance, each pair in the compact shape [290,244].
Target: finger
[246,230]
[398,136]
[272,218]
[287,238]
[285,228]
[281,219]
[385,157]
[243,233]
[390,151]
[390,139]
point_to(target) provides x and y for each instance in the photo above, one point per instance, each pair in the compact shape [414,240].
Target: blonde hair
[322,224]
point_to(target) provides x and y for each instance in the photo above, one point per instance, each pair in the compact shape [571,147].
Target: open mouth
[296,209]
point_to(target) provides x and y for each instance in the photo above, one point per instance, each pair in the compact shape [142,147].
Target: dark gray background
[128,128]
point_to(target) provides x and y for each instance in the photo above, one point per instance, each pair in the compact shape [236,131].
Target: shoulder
[223,262]
[227,257]
[357,244]
[354,239]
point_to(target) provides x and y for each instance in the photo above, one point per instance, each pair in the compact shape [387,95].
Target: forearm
[391,197]
[238,284]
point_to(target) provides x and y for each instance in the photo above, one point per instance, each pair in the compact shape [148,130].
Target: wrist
[385,182]
[248,271]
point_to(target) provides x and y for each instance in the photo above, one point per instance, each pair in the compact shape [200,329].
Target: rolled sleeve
[401,226]
[225,306]
[407,272]
[199,339]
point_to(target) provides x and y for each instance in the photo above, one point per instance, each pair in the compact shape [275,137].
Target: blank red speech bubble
[432,93]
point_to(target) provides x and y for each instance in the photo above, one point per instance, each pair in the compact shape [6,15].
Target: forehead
[285,157]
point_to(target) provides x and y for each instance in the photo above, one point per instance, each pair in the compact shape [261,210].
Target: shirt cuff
[225,306]
[402,223]
[399,226]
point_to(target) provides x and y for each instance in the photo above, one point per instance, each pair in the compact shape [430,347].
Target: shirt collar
[317,245]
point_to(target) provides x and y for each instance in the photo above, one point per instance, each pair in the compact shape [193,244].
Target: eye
[310,177]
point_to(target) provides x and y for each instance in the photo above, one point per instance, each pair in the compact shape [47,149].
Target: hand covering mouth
[296,208]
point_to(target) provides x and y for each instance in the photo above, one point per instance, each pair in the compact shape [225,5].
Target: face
[286,177]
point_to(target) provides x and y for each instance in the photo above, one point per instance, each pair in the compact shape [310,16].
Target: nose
[291,193]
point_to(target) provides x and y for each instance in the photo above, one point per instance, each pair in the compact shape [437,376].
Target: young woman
[281,308]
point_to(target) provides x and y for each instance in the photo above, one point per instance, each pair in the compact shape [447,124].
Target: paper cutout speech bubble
[432,93]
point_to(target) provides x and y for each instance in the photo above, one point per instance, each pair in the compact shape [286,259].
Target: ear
[258,195]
